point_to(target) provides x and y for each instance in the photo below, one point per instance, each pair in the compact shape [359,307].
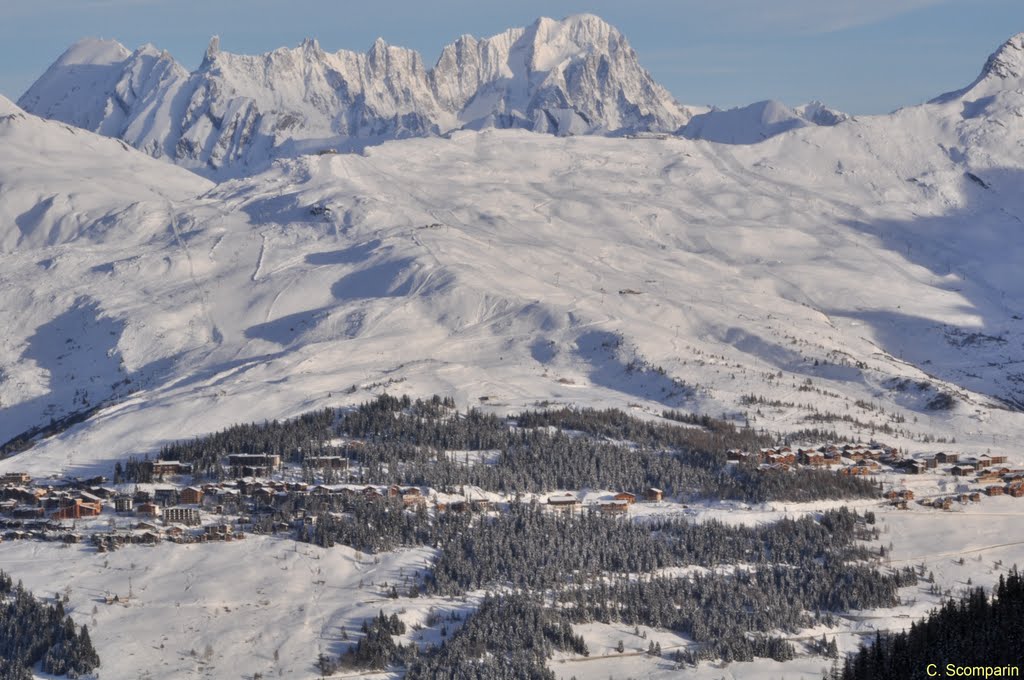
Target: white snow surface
[235,113]
[659,273]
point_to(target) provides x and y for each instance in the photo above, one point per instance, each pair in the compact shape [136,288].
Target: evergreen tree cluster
[377,648]
[397,440]
[976,630]
[590,564]
[530,547]
[720,610]
[510,637]
[32,631]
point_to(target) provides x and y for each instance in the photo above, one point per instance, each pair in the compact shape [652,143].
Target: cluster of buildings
[617,504]
[954,464]
[989,471]
[847,459]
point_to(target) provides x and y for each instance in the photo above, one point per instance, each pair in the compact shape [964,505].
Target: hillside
[874,259]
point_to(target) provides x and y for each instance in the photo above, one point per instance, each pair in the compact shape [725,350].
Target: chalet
[412,496]
[480,505]
[625,496]
[191,496]
[975,496]
[962,470]
[917,467]
[984,461]
[653,495]
[394,491]
[946,458]
[149,538]
[860,468]
[989,476]
[89,498]
[77,509]
[28,512]
[160,468]
[148,509]
[1015,490]
[813,458]
[253,464]
[21,494]
[327,462]
[165,496]
[563,502]
[998,460]
[15,478]
[188,516]
[943,503]
[613,507]
[124,504]
[221,531]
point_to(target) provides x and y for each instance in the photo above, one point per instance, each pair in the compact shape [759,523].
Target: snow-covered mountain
[758,121]
[234,113]
[878,259]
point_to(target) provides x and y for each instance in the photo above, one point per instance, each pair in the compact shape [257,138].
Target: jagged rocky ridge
[575,76]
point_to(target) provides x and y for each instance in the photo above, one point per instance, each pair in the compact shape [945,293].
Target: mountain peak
[93,51]
[1007,62]
[1003,70]
[576,75]
[212,50]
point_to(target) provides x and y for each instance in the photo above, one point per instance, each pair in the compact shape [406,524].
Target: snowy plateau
[533,221]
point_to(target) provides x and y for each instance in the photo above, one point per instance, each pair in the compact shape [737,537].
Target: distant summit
[756,122]
[1003,70]
[235,112]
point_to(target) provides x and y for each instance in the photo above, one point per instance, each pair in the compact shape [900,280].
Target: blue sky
[861,56]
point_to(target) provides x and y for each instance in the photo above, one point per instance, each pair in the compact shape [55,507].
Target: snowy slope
[756,122]
[862,270]
[233,114]
[57,182]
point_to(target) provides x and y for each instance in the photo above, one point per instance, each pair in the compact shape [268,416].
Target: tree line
[977,629]
[395,440]
[35,632]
